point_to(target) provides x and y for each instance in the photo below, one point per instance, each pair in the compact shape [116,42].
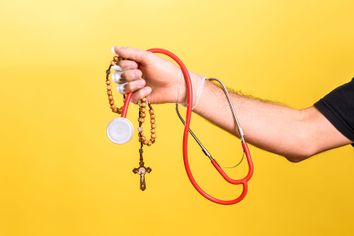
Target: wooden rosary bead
[115,60]
[142,108]
[142,115]
[114,109]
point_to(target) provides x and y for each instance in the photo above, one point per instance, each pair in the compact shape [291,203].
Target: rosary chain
[142,115]
[143,104]
[114,108]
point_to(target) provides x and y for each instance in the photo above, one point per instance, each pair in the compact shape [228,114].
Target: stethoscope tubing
[128,98]
[243,181]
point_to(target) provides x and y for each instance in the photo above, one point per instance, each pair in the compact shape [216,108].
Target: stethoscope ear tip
[120,130]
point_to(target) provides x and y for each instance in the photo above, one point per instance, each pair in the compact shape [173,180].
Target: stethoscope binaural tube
[243,181]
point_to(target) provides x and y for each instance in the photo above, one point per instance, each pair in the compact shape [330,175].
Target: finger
[117,77]
[121,88]
[131,53]
[134,85]
[128,65]
[121,81]
[131,75]
[141,93]
[116,68]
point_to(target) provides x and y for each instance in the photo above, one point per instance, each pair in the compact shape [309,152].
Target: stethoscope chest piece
[120,130]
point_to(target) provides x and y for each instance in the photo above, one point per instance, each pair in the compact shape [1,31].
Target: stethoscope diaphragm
[120,130]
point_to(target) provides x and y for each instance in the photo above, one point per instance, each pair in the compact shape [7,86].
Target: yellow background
[59,174]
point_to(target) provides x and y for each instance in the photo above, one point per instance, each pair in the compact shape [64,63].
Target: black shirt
[338,108]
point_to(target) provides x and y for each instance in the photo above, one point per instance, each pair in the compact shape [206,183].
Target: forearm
[269,126]
[295,134]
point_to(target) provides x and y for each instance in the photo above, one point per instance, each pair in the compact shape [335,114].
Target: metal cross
[142,170]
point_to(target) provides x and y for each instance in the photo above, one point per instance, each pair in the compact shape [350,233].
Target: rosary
[143,106]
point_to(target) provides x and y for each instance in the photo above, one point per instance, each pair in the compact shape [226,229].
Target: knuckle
[122,63]
[135,85]
[127,64]
[128,87]
[128,75]
[131,75]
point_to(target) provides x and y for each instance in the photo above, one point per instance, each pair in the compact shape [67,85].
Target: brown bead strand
[141,170]
[142,115]
[114,108]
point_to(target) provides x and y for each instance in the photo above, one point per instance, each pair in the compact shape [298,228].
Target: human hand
[150,76]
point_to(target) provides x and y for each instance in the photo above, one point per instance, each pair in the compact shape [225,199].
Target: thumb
[130,53]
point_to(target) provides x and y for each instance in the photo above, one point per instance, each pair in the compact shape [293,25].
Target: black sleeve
[338,108]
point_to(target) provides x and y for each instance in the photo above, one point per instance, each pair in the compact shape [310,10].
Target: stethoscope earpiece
[120,130]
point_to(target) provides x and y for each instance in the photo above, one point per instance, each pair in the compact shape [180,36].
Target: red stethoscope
[120,130]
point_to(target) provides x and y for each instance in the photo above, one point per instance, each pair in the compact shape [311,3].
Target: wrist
[197,82]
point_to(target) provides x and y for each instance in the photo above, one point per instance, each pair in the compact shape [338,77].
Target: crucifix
[142,170]
[144,107]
